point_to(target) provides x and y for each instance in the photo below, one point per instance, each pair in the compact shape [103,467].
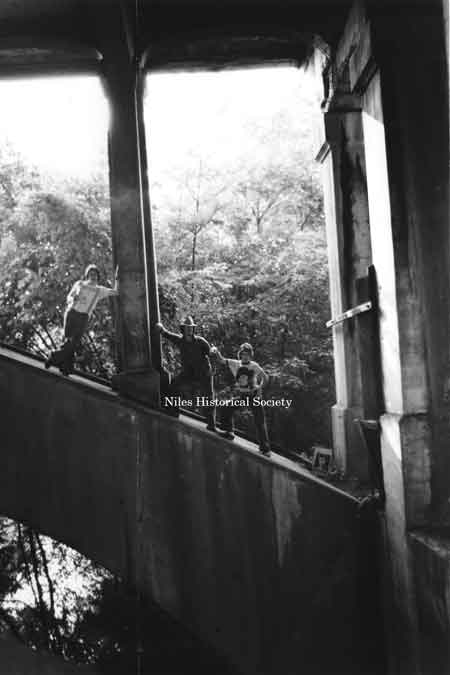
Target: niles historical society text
[241,402]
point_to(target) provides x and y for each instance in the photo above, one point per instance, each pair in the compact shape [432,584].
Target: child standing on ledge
[196,374]
[249,380]
[80,303]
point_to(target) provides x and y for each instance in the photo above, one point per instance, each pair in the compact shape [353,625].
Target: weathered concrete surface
[349,255]
[402,631]
[409,210]
[431,555]
[354,53]
[266,563]
[390,55]
[126,217]
[206,33]
[130,218]
[330,167]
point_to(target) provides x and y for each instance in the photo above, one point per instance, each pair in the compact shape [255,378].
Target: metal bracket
[359,309]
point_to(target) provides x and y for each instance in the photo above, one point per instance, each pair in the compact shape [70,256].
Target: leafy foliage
[49,236]
[242,248]
[260,274]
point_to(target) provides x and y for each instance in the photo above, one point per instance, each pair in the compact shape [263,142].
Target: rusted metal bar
[359,309]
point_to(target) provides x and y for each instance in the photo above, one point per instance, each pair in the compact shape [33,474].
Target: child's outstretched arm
[173,337]
[106,292]
[216,353]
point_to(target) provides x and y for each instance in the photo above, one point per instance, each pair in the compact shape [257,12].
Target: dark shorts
[75,324]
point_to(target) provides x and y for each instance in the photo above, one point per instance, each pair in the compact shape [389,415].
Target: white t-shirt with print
[247,375]
[84,296]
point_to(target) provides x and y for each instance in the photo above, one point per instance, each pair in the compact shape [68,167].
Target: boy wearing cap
[249,380]
[196,372]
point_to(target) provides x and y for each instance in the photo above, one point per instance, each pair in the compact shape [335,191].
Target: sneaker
[48,362]
[211,427]
[265,450]
[227,434]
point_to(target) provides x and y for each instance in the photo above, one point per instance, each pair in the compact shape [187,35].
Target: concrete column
[406,138]
[349,251]
[407,169]
[149,244]
[132,242]
[151,267]
[404,386]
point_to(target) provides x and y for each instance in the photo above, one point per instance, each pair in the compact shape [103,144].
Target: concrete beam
[26,54]
[354,58]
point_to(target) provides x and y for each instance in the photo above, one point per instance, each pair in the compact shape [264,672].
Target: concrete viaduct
[279,571]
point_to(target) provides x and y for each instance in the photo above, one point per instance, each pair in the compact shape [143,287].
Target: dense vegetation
[247,259]
[48,233]
[241,247]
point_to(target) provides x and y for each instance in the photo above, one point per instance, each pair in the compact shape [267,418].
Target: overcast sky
[60,124]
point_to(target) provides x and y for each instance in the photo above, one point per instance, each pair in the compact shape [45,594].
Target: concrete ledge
[189,424]
[253,554]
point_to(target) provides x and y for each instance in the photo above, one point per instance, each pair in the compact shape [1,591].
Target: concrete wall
[267,564]
[431,555]
[390,55]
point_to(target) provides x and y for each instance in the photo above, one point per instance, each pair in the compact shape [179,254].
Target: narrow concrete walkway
[196,425]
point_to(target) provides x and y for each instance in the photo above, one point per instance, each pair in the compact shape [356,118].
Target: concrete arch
[254,555]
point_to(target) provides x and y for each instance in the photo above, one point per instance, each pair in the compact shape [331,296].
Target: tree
[16,178]
[50,238]
[189,208]
[262,274]
[277,186]
[240,245]
[52,598]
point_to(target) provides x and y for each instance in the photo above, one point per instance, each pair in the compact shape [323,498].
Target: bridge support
[384,58]
[347,220]
[132,235]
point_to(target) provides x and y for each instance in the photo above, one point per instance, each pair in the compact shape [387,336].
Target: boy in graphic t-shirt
[249,379]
